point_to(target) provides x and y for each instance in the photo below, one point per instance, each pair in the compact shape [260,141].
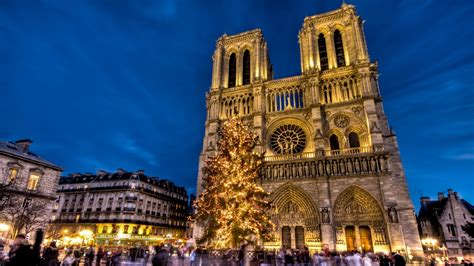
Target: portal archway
[296,217]
[359,221]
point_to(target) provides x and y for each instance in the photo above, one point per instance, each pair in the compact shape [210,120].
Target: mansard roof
[102,176]
[432,208]
[12,149]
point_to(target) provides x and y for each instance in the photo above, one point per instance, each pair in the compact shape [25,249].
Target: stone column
[331,51]
[357,242]
[293,237]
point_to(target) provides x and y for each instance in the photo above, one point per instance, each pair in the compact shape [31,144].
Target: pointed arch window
[232,70]
[334,142]
[246,68]
[341,61]
[323,54]
[354,140]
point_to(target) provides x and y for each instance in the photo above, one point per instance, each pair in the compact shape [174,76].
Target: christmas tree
[232,209]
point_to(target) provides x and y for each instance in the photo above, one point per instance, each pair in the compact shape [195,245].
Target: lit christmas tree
[232,209]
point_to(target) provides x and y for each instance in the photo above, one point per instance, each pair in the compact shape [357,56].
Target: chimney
[450,192]
[440,196]
[140,172]
[424,200]
[121,171]
[23,145]
[101,172]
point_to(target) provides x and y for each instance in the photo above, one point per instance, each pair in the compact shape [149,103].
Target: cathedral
[332,164]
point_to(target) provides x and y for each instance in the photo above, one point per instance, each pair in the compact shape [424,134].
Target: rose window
[288,139]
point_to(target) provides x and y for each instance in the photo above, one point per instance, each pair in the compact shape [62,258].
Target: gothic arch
[305,211]
[356,206]
[361,132]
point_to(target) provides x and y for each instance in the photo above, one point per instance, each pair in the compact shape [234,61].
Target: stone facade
[332,163]
[441,220]
[120,208]
[27,188]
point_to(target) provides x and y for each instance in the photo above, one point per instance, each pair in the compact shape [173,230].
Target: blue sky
[121,84]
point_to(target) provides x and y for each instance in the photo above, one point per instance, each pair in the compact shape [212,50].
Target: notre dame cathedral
[332,163]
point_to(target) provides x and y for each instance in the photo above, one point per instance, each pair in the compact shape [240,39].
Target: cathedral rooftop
[255,33]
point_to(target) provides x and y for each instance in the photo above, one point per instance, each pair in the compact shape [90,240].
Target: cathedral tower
[332,163]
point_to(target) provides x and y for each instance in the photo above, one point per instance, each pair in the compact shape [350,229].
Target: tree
[469,229]
[232,209]
[23,214]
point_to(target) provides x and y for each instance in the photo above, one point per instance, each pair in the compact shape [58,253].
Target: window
[246,68]
[327,94]
[12,174]
[451,229]
[334,142]
[339,49]
[323,54]
[232,70]
[354,140]
[33,181]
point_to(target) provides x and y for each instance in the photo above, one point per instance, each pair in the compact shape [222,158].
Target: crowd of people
[23,253]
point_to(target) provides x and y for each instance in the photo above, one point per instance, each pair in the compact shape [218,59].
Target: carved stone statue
[325,216]
[392,215]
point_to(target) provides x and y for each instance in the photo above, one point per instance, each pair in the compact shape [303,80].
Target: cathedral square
[293,169]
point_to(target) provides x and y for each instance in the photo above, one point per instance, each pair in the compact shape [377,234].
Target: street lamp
[429,242]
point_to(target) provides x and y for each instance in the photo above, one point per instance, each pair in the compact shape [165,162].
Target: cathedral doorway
[299,237]
[359,221]
[365,239]
[350,238]
[296,217]
[286,237]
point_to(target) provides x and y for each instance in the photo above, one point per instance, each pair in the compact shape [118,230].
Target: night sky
[121,84]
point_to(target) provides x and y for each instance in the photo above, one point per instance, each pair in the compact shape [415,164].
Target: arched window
[327,93]
[246,68]
[232,70]
[323,54]
[354,140]
[334,142]
[339,49]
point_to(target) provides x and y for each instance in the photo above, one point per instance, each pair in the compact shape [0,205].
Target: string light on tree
[233,208]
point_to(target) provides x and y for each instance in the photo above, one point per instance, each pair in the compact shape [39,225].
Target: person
[161,257]
[21,253]
[305,257]
[192,257]
[356,259]
[69,260]
[90,256]
[242,251]
[2,256]
[51,255]
[116,256]
[398,259]
[100,255]
[289,259]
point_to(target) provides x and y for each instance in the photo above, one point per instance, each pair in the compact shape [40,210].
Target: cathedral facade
[331,161]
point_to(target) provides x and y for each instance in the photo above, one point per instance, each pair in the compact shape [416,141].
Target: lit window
[33,181]
[13,173]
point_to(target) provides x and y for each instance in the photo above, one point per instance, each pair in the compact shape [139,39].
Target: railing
[324,153]
[334,165]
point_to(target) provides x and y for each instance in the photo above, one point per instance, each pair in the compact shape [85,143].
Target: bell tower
[333,40]
[240,59]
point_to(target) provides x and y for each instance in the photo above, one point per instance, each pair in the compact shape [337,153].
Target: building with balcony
[27,189]
[332,163]
[440,225]
[121,208]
